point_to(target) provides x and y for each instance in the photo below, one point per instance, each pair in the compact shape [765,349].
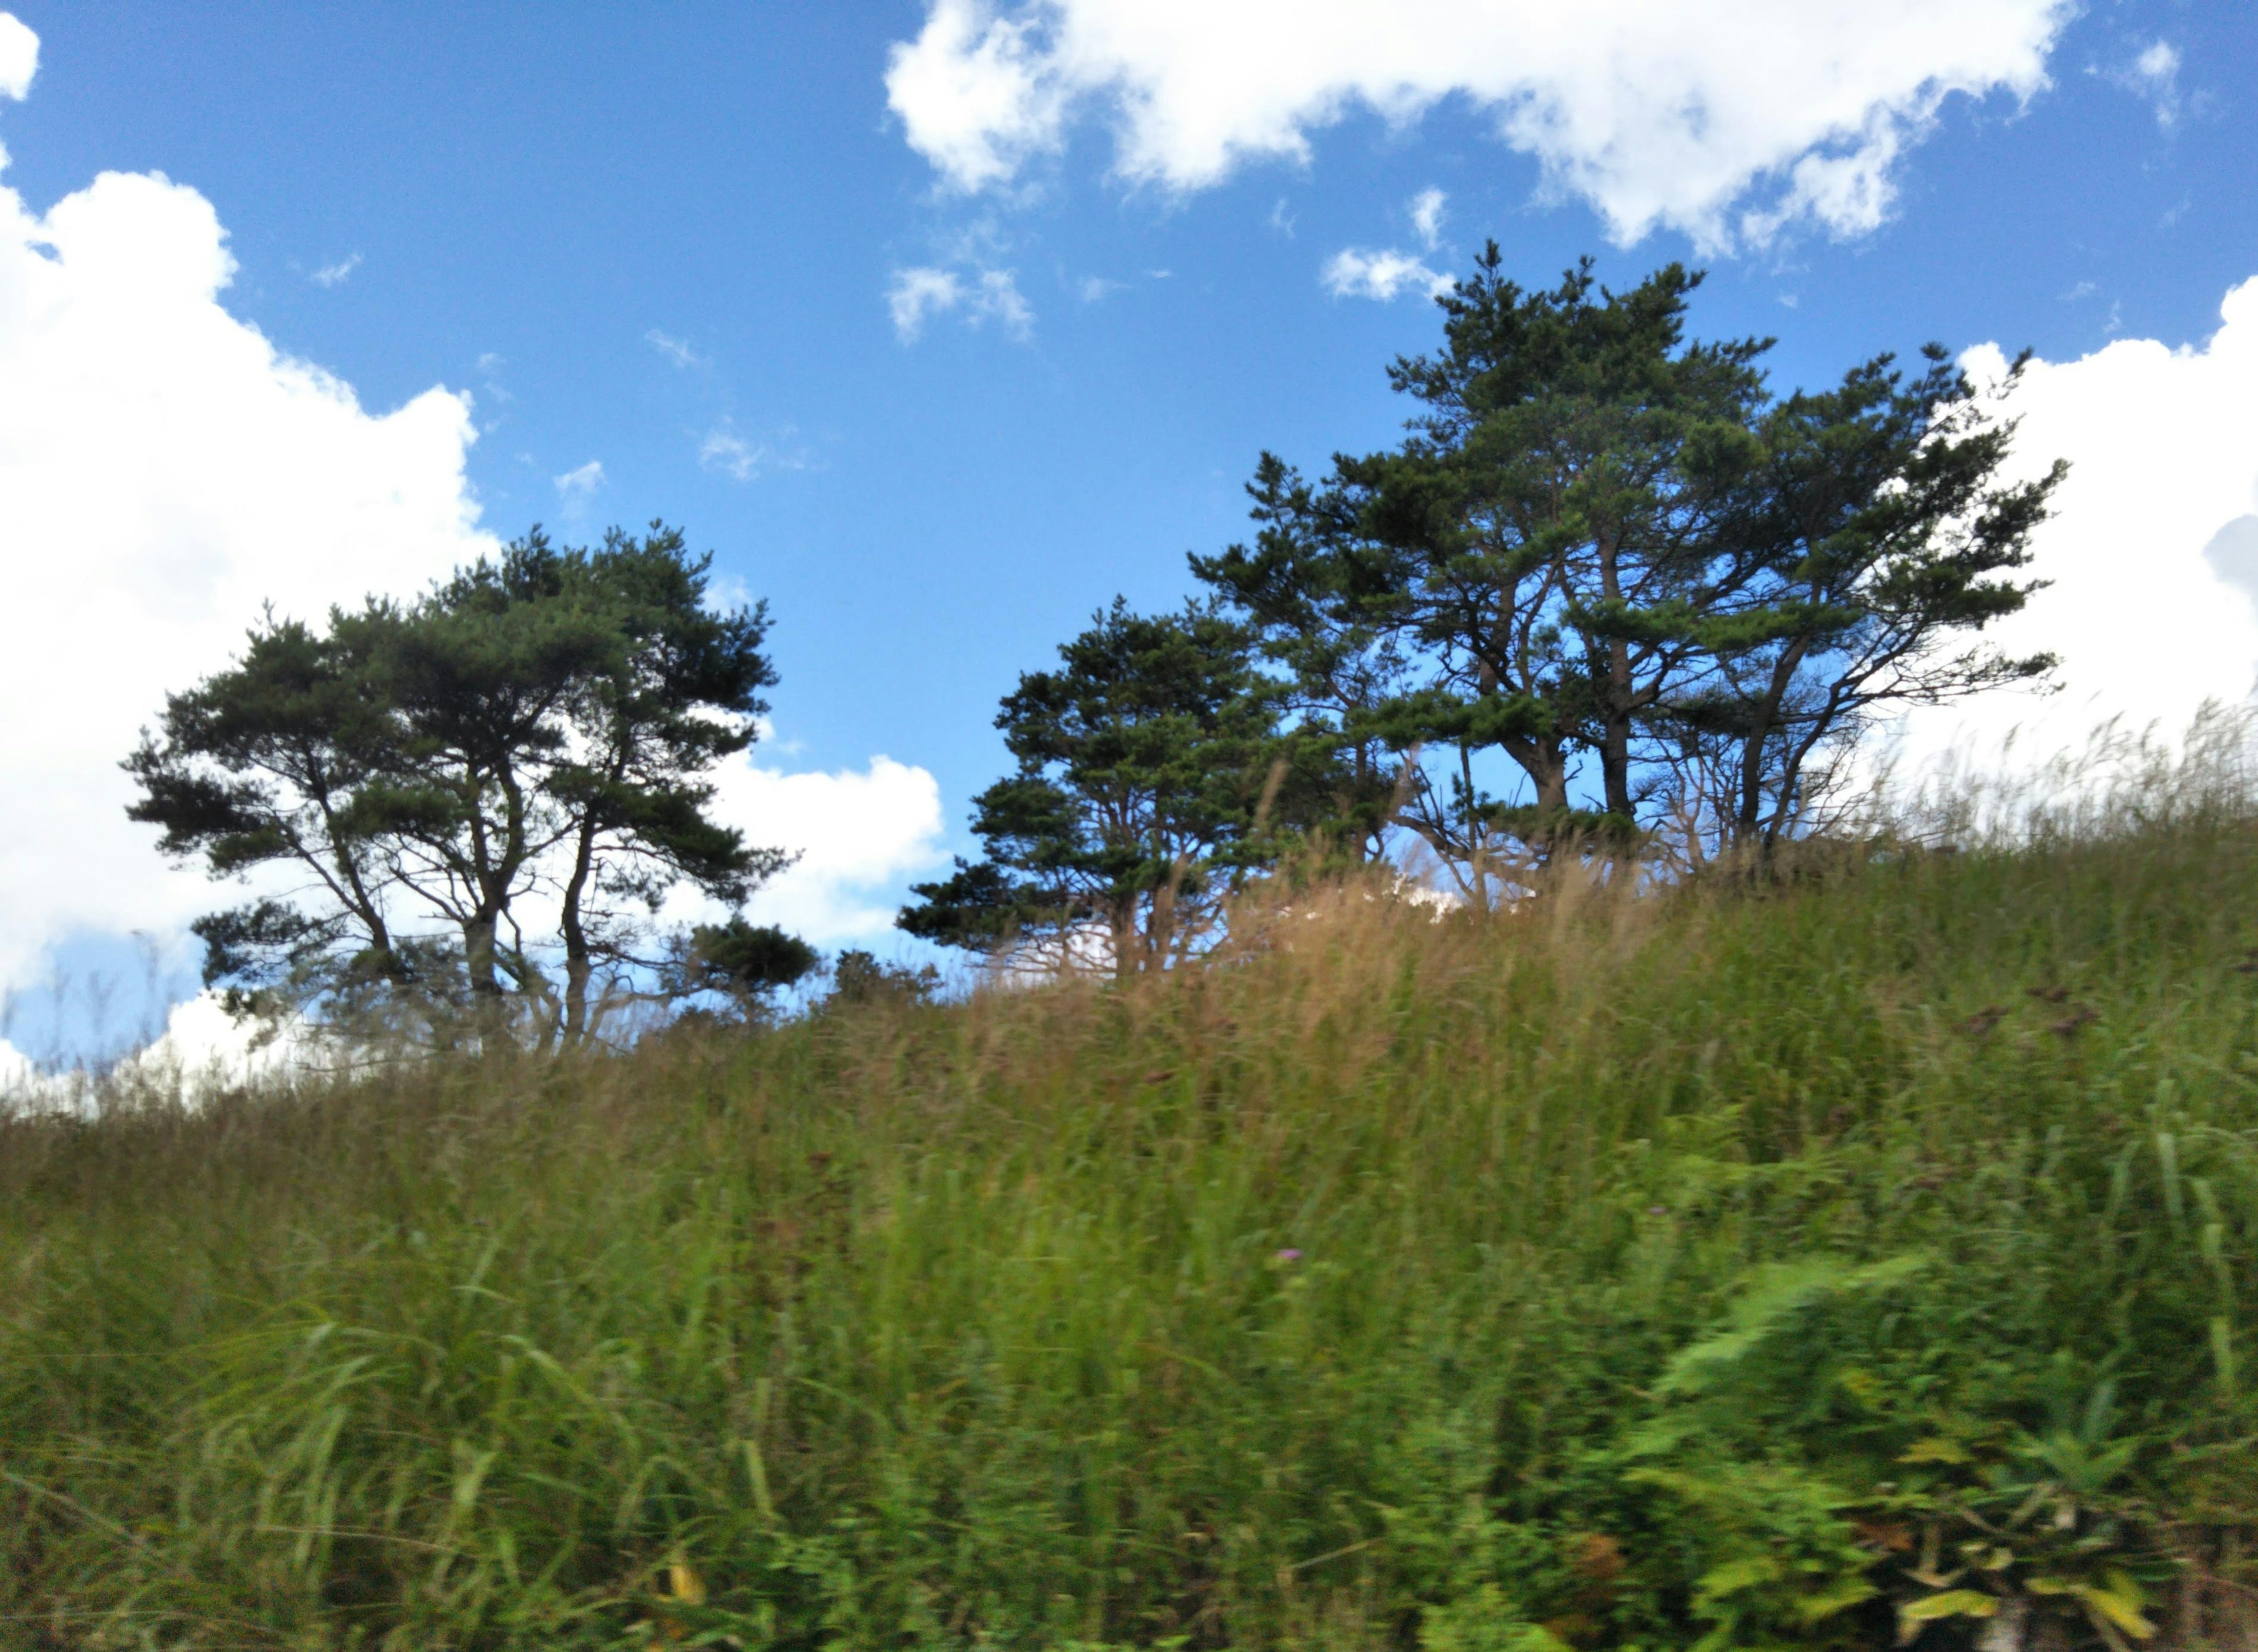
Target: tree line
[1610,595]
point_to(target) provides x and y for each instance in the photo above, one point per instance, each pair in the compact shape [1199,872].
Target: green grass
[1713,1268]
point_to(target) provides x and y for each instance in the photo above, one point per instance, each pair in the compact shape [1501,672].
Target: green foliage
[861,977]
[1151,772]
[745,961]
[1869,1257]
[543,719]
[1607,556]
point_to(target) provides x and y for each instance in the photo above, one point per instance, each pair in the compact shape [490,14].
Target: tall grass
[1868,1253]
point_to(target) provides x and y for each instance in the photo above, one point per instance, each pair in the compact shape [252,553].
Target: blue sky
[661,241]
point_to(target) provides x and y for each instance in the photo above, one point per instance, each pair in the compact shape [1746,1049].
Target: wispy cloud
[577,487]
[489,367]
[1384,275]
[730,454]
[727,451]
[677,350]
[917,294]
[1427,217]
[1094,287]
[334,274]
[2153,75]
[997,295]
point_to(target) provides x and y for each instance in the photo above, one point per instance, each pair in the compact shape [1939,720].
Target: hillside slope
[1802,1267]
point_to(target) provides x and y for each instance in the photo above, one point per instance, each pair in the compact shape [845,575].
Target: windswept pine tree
[476,800]
[1153,773]
[1604,549]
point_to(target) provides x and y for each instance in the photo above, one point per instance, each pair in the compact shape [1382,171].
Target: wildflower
[1290,1254]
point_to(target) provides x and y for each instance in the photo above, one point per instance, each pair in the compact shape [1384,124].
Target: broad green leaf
[2117,1600]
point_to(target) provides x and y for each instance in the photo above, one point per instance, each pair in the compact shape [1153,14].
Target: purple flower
[1657,1210]
[1290,1254]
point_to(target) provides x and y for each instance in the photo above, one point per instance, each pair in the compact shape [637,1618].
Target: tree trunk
[1126,939]
[578,966]
[479,933]
[1614,732]
[1752,748]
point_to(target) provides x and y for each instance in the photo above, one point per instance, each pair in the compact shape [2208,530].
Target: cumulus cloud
[19,57]
[1725,121]
[1357,272]
[202,1049]
[164,471]
[332,274]
[987,294]
[2154,549]
[858,833]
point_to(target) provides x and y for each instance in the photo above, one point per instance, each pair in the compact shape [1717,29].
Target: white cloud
[164,469]
[1726,120]
[859,833]
[677,350]
[19,57]
[2154,76]
[976,95]
[332,274]
[990,295]
[727,451]
[1427,217]
[578,485]
[20,1078]
[200,1049]
[723,450]
[1093,288]
[1356,272]
[918,293]
[203,1045]
[997,295]
[2154,607]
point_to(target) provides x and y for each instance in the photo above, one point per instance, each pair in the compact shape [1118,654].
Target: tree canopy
[535,732]
[1611,595]
[1152,772]
[1606,553]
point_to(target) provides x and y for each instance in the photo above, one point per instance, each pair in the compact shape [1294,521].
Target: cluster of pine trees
[1609,596]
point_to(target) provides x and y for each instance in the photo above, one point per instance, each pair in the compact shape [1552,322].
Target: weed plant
[1860,1256]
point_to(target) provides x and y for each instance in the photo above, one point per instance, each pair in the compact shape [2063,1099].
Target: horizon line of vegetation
[1610,599]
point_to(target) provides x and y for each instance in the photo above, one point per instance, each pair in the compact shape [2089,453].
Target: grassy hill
[1796,1266]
